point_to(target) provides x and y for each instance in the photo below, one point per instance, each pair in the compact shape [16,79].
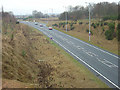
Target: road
[102,63]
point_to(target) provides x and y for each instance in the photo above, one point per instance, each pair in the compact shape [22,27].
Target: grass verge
[77,63]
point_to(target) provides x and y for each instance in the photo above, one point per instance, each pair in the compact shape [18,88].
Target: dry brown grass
[29,60]
[40,54]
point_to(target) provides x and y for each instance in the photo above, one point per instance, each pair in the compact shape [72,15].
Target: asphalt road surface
[102,63]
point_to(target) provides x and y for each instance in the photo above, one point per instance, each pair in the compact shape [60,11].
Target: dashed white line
[90,45]
[107,63]
[85,62]
[88,65]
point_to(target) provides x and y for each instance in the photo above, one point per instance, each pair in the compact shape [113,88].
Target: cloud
[27,6]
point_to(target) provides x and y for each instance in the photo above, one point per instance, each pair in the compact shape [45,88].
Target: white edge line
[86,52]
[90,45]
[88,65]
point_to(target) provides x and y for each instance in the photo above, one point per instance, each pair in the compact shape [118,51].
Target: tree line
[103,10]
[39,14]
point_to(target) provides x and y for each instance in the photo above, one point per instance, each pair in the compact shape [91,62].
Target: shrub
[60,24]
[111,26]
[63,25]
[97,24]
[101,24]
[72,27]
[103,29]
[118,31]
[23,53]
[91,32]
[109,35]
[88,31]
[80,23]
[17,22]
[118,17]
[74,22]
[55,25]
[94,26]
[71,24]
[105,23]
[12,36]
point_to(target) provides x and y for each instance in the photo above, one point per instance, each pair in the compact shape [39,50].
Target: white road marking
[88,65]
[91,45]
[107,63]
[80,48]
[71,42]
[68,42]
[91,54]
[65,39]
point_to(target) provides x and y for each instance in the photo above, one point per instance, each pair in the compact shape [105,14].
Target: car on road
[36,23]
[50,28]
[41,25]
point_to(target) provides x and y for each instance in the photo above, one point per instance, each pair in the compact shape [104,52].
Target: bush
[101,24]
[60,24]
[109,35]
[71,24]
[105,23]
[17,22]
[118,17]
[97,24]
[74,22]
[118,31]
[111,26]
[80,23]
[88,31]
[94,26]
[63,25]
[103,29]
[55,25]
[12,36]
[72,27]
[23,53]
[91,32]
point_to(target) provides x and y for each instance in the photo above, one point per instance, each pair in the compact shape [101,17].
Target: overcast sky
[45,6]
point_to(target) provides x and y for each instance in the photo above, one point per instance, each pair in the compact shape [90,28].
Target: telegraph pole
[66,18]
[89,24]
[66,21]
[89,21]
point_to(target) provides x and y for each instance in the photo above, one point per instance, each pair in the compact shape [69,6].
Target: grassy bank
[77,66]
[32,60]
[110,48]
